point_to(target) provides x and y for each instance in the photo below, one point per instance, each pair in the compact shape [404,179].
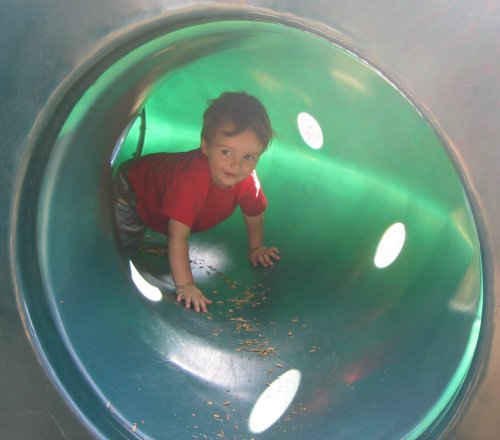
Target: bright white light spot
[274,401]
[310,130]
[148,290]
[390,245]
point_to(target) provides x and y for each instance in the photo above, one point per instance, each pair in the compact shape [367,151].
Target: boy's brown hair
[243,110]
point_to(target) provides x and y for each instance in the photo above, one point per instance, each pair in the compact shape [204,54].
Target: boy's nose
[236,163]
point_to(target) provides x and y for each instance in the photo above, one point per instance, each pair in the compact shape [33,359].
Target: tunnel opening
[356,342]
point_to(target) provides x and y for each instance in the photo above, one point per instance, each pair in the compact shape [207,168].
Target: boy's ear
[204,147]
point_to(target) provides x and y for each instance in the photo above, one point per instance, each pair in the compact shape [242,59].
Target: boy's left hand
[264,256]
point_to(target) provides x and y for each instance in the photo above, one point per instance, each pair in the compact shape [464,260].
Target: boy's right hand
[192,296]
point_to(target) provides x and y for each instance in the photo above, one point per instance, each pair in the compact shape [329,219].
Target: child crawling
[181,193]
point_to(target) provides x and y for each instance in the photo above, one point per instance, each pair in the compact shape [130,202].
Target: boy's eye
[226,152]
[249,157]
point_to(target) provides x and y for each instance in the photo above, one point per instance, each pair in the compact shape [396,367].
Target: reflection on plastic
[274,401]
[390,245]
[207,363]
[310,130]
[120,142]
[348,80]
[148,290]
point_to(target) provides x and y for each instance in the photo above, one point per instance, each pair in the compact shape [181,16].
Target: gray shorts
[128,222]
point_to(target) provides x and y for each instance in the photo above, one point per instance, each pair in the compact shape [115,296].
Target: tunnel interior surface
[367,326]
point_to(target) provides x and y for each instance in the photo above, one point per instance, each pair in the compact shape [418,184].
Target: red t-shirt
[179,186]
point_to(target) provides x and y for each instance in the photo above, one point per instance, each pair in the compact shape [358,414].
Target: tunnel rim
[48,127]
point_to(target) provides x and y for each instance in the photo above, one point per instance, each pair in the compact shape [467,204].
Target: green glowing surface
[382,352]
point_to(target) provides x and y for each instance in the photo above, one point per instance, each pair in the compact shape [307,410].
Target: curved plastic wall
[326,332]
[325,311]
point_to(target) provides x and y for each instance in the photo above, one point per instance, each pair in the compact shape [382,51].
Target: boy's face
[231,158]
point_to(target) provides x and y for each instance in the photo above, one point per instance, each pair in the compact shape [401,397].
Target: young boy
[181,193]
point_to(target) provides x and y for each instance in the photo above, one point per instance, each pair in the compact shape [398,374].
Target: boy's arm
[178,258]
[257,252]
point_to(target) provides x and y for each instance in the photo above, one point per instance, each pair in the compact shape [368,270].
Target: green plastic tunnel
[367,326]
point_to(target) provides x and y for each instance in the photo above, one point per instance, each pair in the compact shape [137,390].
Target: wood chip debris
[256,346]
[243,324]
[266,351]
